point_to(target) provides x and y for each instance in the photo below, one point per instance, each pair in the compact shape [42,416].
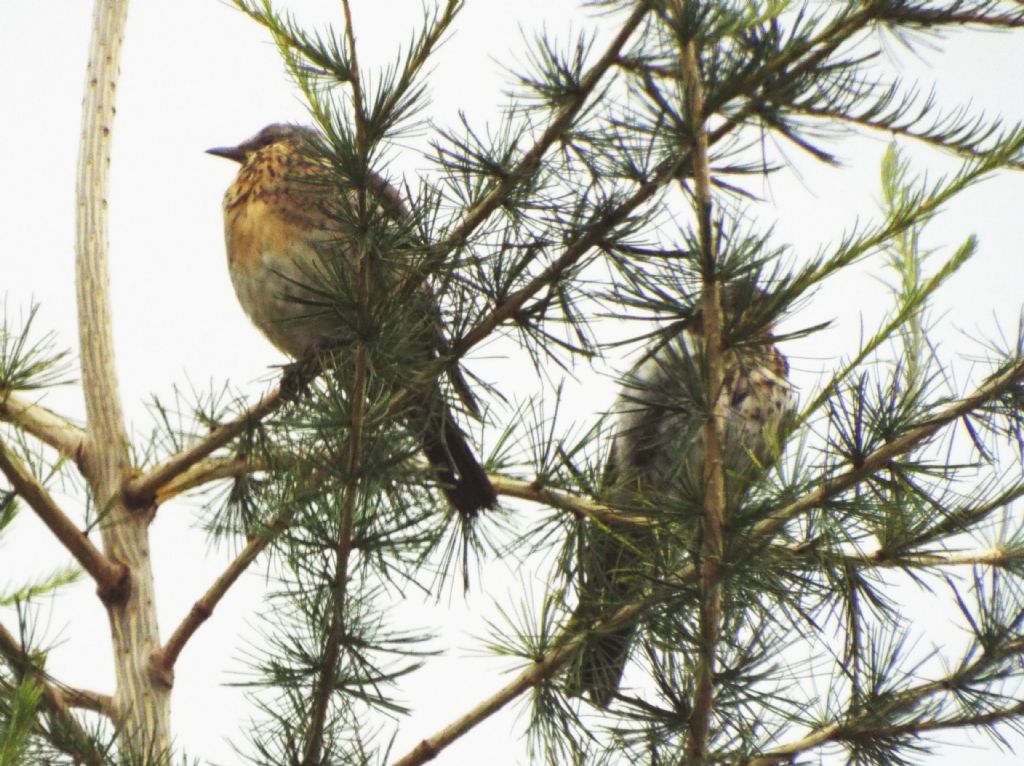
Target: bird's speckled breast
[659,433]
[272,241]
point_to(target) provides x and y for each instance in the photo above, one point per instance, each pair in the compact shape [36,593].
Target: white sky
[198,74]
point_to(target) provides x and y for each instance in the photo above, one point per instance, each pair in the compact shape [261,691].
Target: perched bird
[286,230]
[656,464]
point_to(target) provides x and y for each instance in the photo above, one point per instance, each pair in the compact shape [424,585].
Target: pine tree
[757,595]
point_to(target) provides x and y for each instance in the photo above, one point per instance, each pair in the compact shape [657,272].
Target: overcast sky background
[196,74]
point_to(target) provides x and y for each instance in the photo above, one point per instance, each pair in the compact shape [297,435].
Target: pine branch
[142,491]
[867,726]
[325,684]
[110,578]
[556,129]
[880,458]
[900,12]
[713,520]
[886,125]
[214,469]
[996,557]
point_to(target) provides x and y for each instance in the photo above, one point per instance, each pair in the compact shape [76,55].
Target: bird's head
[296,136]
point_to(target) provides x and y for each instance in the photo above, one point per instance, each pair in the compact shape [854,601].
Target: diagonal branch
[147,488]
[545,666]
[109,576]
[880,458]
[869,727]
[556,128]
[46,425]
[163,661]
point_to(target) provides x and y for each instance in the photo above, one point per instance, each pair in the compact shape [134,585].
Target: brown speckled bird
[656,466]
[284,235]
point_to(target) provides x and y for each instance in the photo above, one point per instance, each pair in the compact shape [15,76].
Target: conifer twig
[868,725]
[325,684]
[713,520]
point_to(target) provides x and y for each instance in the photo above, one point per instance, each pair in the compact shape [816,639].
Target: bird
[655,468]
[287,219]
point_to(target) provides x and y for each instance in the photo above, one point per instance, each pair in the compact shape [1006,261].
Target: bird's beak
[235,153]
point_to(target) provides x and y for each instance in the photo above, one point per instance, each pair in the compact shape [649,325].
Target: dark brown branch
[109,576]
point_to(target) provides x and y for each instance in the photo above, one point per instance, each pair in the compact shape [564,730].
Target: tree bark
[142,698]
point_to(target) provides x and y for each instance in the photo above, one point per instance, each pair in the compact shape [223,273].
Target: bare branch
[109,577]
[108,455]
[142,702]
[165,659]
[47,426]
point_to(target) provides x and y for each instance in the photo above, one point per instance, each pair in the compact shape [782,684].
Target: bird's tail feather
[461,477]
[601,664]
